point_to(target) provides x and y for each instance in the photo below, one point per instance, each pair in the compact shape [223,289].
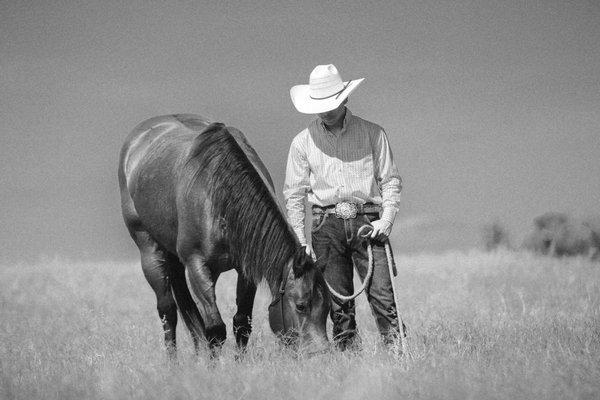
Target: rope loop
[364,232]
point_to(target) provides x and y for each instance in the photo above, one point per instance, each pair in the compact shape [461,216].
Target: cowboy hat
[324,92]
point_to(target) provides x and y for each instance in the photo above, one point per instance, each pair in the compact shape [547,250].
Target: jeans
[338,248]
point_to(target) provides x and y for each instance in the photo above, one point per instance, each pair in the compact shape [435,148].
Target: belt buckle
[346,210]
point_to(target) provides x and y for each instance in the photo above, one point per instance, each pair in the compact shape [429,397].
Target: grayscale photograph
[300,200]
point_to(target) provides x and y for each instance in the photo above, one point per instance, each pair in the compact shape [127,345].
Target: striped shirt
[355,165]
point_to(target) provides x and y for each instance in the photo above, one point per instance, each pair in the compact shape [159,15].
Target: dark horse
[198,201]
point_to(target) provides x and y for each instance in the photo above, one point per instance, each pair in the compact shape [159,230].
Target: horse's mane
[260,239]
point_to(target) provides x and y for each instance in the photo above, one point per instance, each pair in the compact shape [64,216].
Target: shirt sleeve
[387,177]
[295,188]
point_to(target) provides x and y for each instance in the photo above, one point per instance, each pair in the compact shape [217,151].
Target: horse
[198,201]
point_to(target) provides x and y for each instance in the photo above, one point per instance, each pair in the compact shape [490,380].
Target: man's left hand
[381,230]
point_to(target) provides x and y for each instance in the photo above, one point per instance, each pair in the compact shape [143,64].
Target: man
[344,166]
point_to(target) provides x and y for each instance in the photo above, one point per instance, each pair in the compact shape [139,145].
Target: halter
[276,313]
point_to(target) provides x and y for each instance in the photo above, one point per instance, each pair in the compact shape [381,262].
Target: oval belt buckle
[345,210]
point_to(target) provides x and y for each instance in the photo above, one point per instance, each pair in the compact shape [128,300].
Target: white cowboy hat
[324,92]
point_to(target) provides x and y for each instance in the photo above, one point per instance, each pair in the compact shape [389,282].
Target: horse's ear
[302,262]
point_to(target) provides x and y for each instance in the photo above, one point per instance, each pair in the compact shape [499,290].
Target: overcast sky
[492,108]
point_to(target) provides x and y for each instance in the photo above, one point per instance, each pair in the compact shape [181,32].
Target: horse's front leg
[242,320]
[201,280]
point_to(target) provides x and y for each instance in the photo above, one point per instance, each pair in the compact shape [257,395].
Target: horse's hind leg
[201,282]
[157,269]
[187,307]
[242,320]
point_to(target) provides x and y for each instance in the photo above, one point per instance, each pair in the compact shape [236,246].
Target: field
[481,326]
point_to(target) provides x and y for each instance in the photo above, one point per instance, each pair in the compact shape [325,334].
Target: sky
[492,108]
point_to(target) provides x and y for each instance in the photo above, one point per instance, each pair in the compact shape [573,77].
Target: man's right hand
[310,252]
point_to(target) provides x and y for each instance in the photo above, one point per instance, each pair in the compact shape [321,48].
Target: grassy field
[481,326]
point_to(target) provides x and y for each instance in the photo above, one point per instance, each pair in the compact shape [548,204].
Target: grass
[481,325]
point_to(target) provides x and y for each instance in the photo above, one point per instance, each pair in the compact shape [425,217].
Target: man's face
[332,117]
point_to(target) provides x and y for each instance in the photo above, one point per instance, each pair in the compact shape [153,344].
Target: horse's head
[299,312]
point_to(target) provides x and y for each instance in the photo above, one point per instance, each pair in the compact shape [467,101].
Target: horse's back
[153,170]
[166,129]
[150,158]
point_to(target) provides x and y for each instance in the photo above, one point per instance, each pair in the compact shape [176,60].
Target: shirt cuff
[301,236]
[389,215]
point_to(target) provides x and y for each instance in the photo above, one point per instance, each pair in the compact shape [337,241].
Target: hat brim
[305,104]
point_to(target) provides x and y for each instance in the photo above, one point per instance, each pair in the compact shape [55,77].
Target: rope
[365,233]
[403,342]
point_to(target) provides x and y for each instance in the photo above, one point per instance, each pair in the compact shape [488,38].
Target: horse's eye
[301,307]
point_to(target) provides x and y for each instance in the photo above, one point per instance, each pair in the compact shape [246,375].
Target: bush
[558,234]
[495,236]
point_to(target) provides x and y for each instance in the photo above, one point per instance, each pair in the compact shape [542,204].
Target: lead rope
[365,233]
[390,262]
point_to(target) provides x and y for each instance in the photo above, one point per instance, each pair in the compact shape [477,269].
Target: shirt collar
[347,118]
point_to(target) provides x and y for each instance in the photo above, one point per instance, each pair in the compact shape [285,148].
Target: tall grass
[481,325]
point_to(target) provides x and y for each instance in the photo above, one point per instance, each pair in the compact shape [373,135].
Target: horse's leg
[201,282]
[187,307]
[242,320]
[157,272]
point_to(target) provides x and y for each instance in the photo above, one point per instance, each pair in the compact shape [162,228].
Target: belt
[347,209]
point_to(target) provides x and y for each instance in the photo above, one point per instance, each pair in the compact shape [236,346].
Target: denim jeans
[338,248]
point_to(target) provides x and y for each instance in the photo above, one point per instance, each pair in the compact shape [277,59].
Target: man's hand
[309,250]
[381,230]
